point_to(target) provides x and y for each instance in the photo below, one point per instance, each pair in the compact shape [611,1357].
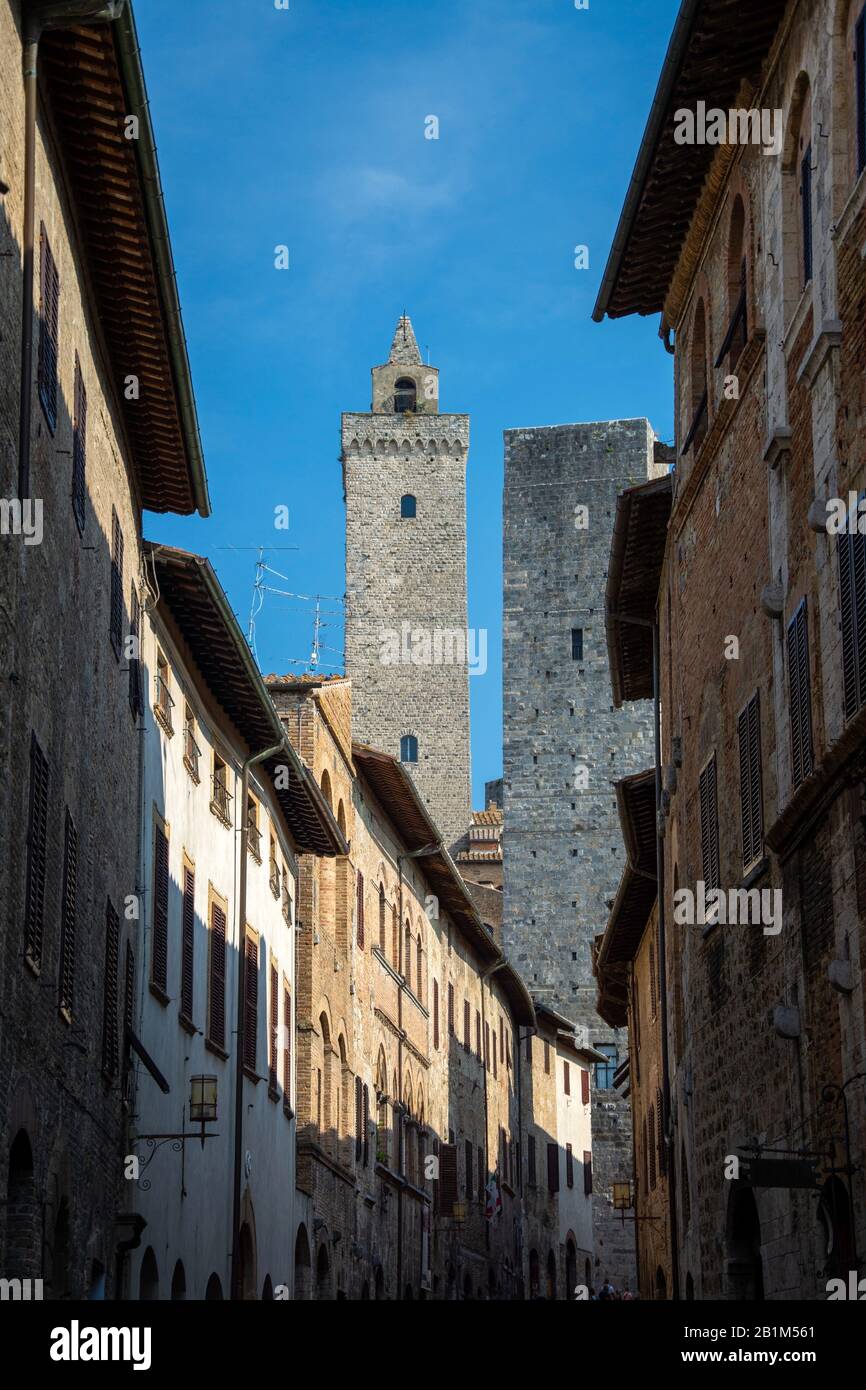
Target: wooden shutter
[806,209]
[852,595]
[799,695]
[360,914]
[751,794]
[274,1026]
[478,1034]
[469,1156]
[37,854]
[494,1053]
[553,1167]
[546,1058]
[359,1118]
[217,1021]
[49,317]
[136,698]
[436,1013]
[450,1008]
[530,1160]
[365,1124]
[709,807]
[116,613]
[569,1166]
[448,1189]
[251,1000]
[68,916]
[566,1077]
[159,957]
[584,1086]
[187,947]
[587,1173]
[487,1044]
[109,991]
[129,988]
[467,1026]
[79,447]
[287,1046]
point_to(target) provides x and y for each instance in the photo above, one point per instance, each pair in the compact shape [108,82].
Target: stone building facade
[408,647]
[564,745]
[760,617]
[77,445]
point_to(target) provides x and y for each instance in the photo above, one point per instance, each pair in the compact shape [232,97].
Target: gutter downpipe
[237,1290]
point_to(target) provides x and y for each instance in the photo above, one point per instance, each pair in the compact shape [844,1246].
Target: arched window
[419,968]
[395,936]
[697,384]
[405,395]
[408,749]
[735,338]
[382,918]
[407,956]
[408,506]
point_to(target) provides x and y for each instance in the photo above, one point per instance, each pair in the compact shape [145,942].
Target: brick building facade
[760,616]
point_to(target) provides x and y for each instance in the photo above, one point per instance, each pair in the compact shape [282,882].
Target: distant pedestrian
[607,1290]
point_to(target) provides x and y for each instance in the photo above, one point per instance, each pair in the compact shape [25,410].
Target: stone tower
[408,648]
[564,746]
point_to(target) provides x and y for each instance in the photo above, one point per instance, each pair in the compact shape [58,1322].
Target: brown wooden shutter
[136,697]
[494,1054]
[159,957]
[382,918]
[569,1166]
[852,600]
[584,1086]
[79,447]
[360,914]
[109,991]
[37,853]
[450,1008]
[68,916]
[478,1034]
[274,1024]
[709,806]
[448,1189]
[49,318]
[435,1013]
[487,1044]
[217,1024]
[566,1076]
[129,988]
[287,1046]
[553,1167]
[587,1173]
[799,695]
[251,1001]
[751,795]
[116,612]
[359,1118]
[546,1058]
[467,1026]
[365,1126]
[187,949]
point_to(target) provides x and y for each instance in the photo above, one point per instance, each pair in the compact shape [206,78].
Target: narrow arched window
[408,749]
[408,506]
[405,393]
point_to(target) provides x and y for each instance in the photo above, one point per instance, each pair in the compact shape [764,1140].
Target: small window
[408,506]
[221,798]
[49,314]
[405,393]
[191,750]
[604,1071]
[408,749]
[254,834]
[577,644]
[164,701]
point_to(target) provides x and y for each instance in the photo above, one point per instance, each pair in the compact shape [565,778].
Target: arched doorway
[22,1214]
[267,1290]
[690,1288]
[834,1216]
[249,1284]
[551,1276]
[379,1282]
[148,1278]
[534,1275]
[323,1274]
[214,1290]
[302,1264]
[365,1292]
[178,1283]
[745,1266]
[570,1268]
[661,1284]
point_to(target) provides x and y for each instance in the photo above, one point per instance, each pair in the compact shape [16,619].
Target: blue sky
[305,127]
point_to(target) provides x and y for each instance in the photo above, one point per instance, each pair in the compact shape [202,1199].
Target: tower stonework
[565,746]
[407,641]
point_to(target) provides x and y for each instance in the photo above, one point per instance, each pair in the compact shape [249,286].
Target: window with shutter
[487,1044]
[37,855]
[116,611]
[852,598]
[467,1026]
[365,1126]
[450,1008]
[751,792]
[495,1040]
[360,911]
[469,1157]
[546,1058]
[187,943]
[799,695]
[652,978]
[449,1193]
[79,446]
[566,1078]
[709,807]
[530,1160]
[553,1167]
[217,973]
[129,988]
[584,1086]
[587,1173]
[159,952]
[359,1118]
[382,918]
[287,1047]
[482,1176]
[806,212]
[109,992]
[569,1166]
[436,1013]
[274,1029]
[136,693]
[478,1034]
[49,319]
[251,1000]
[68,918]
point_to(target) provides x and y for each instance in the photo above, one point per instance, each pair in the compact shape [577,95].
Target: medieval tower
[565,746]
[408,648]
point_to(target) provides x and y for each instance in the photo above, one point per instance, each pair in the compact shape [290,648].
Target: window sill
[758,869]
[187,1024]
[288,1111]
[252,1075]
[158,993]
[164,721]
[216,1049]
[193,771]
[33,965]
[273,1092]
[798,318]
[221,816]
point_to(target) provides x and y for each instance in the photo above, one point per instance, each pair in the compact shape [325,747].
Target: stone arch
[248,1250]
[214,1290]
[267,1290]
[148,1277]
[178,1283]
[551,1276]
[570,1265]
[303,1265]
[324,1284]
[23,1258]
[660,1285]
